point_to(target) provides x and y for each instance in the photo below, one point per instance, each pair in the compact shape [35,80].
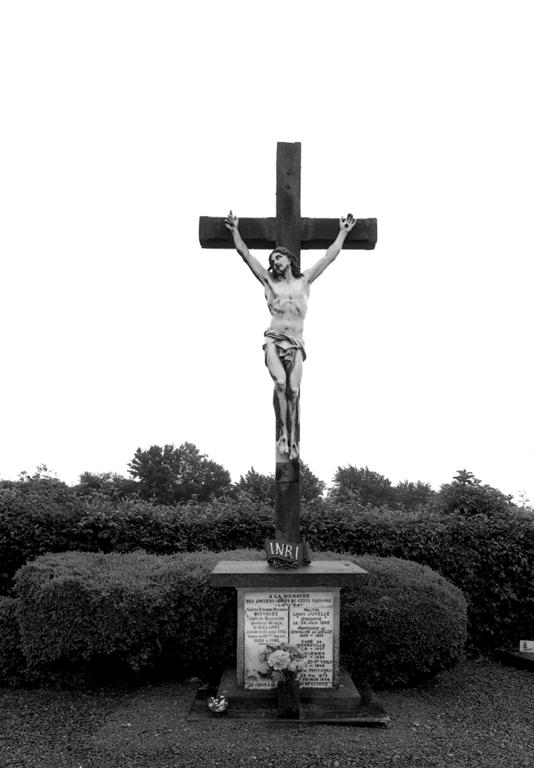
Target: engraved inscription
[299,618]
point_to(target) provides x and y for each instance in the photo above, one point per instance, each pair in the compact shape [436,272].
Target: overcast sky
[123,122]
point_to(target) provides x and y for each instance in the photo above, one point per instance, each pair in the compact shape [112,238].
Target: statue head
[292,261]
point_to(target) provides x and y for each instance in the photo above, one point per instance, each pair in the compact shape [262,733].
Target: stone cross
[289,229]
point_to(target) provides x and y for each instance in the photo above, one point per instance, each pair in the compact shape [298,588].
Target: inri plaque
[302,618]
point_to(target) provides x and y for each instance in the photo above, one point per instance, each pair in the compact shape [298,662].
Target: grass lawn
[480,714]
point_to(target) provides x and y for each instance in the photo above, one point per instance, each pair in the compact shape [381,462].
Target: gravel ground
[480,714]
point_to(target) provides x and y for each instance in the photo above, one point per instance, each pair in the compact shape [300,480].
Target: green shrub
[489,557]
[492,561]
[404,626]
[84,614]
[37,515]
[12,662]
[34,521]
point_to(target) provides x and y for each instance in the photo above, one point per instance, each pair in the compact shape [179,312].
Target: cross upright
[288,229]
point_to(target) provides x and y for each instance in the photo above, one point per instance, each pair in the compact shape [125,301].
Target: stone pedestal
[298,607]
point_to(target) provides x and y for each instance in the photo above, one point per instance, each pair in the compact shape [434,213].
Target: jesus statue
[287,290]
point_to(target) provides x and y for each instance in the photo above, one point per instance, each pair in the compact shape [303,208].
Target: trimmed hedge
[86,616]
[83,615]
[491,559]
[406,625]
[40,518]
[12,662]
[36,516]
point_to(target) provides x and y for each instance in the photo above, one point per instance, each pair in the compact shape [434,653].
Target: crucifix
[286,292]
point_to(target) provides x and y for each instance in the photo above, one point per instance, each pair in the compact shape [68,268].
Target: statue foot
[282,445]
[294,452]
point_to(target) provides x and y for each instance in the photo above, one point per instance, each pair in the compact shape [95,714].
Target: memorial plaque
[306,619]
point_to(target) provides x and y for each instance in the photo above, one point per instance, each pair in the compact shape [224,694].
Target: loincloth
[286,346]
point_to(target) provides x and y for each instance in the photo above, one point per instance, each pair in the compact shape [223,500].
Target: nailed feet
[282,444]
[284,447]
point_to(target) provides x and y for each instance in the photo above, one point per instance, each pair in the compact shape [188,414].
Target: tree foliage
[169,475]
[367,488]
[468,496]
[114,487]
[311,488]
[262,488]
[362,485]
[259,487]
[411,496]
[42,490]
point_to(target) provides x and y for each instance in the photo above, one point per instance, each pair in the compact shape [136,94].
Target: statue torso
[288,302]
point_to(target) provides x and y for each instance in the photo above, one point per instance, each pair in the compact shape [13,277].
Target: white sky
[123,122]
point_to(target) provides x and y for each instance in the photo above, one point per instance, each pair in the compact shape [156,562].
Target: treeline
[171,475]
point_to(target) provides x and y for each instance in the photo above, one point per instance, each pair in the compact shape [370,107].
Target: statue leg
[293,397]
[278,374]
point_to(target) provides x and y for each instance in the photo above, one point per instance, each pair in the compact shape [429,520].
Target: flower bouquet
[285,663]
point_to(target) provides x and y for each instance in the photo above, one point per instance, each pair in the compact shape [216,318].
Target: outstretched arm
[232,223]
[345,226]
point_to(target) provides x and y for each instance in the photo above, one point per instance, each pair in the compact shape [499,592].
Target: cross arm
[257,233]
[321,233]
[262,233]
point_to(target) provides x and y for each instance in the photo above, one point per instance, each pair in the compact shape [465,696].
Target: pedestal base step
[344,705]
